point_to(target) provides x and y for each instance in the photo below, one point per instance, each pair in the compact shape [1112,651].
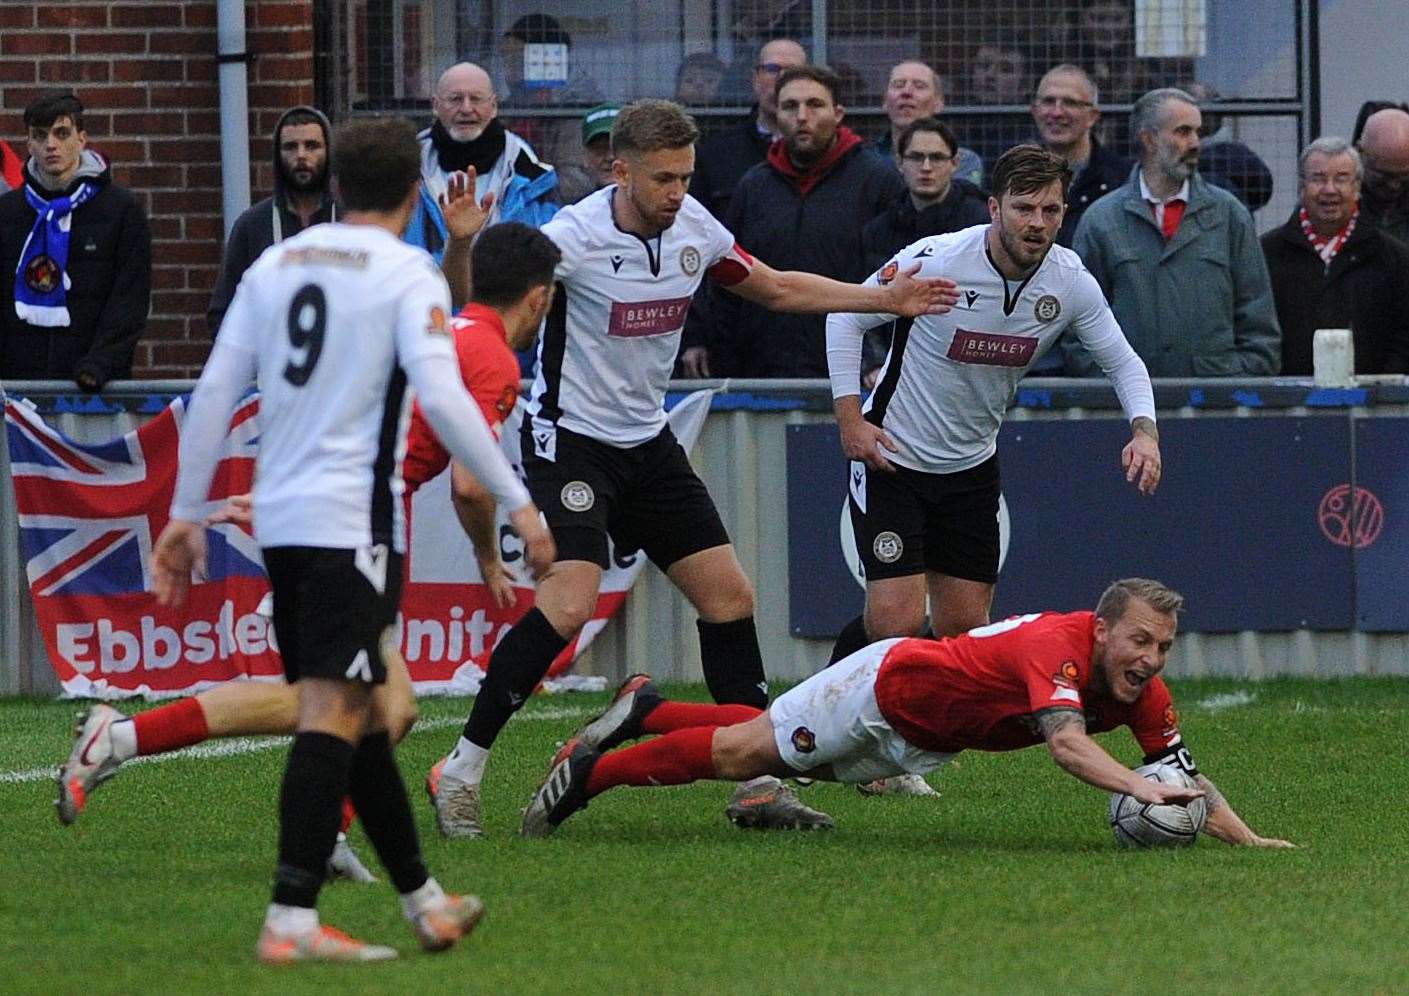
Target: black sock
[516,667]
[732,662]
[379,794]
[310,811]
[851,639]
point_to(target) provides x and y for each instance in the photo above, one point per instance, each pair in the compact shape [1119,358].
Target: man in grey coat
[1179,259]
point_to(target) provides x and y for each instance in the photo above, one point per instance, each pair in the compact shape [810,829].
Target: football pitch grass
[1009,883]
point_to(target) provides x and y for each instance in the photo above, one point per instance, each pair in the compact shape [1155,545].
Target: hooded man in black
[302,149]
[75,258]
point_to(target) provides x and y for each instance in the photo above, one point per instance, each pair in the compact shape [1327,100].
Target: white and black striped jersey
[949,378]
[330,324]
[609,343]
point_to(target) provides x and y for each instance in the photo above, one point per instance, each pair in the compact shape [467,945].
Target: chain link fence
[550,61]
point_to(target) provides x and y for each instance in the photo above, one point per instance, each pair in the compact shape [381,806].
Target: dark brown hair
[1026,169]
[652,125]
[931,125]
[509,260]
[377,161]
[817,74]
[51,105]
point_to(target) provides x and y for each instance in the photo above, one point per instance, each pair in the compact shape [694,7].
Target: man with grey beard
[1178,258]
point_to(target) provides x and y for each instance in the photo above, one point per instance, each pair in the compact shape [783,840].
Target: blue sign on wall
[1239,523]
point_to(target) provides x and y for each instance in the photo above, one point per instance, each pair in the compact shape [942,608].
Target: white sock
[124,739]
[417,900]
[466,762]
[291,919]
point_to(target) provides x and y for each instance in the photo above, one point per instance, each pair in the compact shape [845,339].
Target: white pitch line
[252,745]
[1226,700]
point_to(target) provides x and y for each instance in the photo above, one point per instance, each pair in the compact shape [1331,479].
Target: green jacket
[1198,306]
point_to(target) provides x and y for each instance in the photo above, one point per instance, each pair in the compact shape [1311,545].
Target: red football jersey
[983,690]
[491,375]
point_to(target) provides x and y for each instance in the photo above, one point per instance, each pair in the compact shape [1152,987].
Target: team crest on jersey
[506,401]
[577,496]
[888,272]
[1047,308]
[437,323]
[1171,720]
[804,740]
[888,547]
[690,260]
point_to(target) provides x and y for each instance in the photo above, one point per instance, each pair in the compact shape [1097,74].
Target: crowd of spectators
[1159,208]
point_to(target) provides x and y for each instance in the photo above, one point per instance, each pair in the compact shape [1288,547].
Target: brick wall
[146,74]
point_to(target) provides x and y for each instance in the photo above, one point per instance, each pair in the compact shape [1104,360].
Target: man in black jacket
[302,148]
[1065,111]
[1332,270]
[934,202]
[723,158]
[75,258]
[801,209]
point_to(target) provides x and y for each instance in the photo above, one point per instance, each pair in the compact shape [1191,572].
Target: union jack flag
[89,514]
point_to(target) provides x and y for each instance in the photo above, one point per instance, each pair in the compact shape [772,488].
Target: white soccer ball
[1141,824]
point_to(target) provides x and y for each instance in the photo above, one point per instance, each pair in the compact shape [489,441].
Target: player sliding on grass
[906,706]
[514,264]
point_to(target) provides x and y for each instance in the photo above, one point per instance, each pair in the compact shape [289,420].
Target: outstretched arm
[1227,825]
[808,293]
[1081,757]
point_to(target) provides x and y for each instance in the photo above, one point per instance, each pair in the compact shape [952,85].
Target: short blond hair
[1117,598]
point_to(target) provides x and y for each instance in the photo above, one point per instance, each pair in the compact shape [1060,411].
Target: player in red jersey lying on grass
[907,706]
[514,267]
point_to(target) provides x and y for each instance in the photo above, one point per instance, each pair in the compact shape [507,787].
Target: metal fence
[552,60]
[740,455]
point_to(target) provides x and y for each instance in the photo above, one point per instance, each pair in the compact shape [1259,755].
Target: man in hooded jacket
[301,198]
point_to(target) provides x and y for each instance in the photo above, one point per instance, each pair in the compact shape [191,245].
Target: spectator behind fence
[576,181]
[529,84]
[915,91]
[998,75]
[1331,271]
[1178,258]
[721,159]
[467,133]
[11,168]
[802,209]
[933,202]
[1065,109]
[302,149]
[697,80]
[75,258]
[1226,162]
[1384,144]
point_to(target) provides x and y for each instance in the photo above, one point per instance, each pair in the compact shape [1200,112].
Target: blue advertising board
[1243,522]
[1373,525]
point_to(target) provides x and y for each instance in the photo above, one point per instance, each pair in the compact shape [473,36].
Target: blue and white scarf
[41,279]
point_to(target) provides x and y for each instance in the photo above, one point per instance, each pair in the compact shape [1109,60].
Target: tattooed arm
[1227,825]
[1081,757]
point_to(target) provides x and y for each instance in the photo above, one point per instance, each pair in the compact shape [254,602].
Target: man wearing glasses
[723,158]
[1385,146]
[1330,269]
[1065,112]
[914,91]
[468,137]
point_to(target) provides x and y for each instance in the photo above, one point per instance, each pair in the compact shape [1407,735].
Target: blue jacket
[1198,306]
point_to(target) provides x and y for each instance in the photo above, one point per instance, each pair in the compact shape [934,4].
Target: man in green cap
[595,172]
